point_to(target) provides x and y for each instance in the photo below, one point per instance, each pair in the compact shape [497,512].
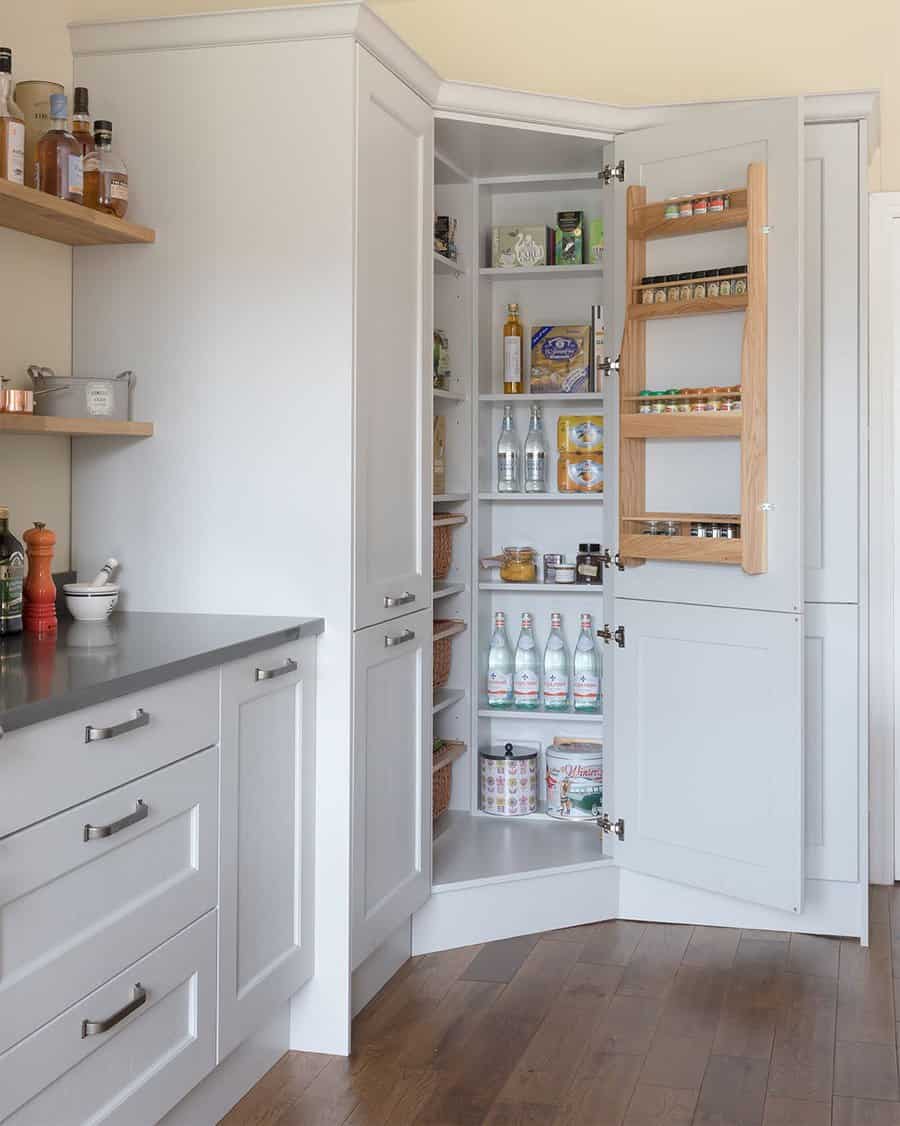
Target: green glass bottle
[12,574]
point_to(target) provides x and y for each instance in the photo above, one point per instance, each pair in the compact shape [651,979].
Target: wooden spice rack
[645,222]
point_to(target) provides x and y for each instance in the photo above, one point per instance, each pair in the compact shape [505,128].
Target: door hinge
[606,826]
[617,635]
[613,172]
[612,560]
[608,365]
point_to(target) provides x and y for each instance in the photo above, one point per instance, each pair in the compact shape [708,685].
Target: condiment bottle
[39,615]
[12,569]
[588,564]
[513,334]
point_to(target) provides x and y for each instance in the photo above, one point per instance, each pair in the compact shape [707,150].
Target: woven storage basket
[445,752]
[442,541]
[442,649]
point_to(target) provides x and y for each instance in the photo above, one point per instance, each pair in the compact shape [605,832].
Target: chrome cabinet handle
[290,665]
[95,734]
[398,599]
[399,638]
[95,832]
[94,1027]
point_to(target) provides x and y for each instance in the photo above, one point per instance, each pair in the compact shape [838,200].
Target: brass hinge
[608,366]
[617,635]
[606,826]
[613,172]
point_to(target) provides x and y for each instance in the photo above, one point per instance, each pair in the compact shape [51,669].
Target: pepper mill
[39,615]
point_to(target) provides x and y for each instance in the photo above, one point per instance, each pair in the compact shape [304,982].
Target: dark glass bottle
[12,573]
[81,121]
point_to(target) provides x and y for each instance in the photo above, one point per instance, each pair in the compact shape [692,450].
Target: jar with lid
[684,287]
[698,288]
[716,201]
[669,528]
[701,205]
[644,404]
[647,291]
[650,528]
[671,211]
[673,287]
[517,564]
[551,561]
[726,284]
[589,564]
[685,208]
[661,289]
[740,283]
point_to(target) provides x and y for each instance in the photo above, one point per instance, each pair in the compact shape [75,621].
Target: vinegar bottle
[512,352]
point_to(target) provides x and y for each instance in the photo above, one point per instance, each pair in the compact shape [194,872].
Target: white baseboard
[380,967]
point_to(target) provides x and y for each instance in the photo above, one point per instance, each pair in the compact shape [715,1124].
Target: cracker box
[560,359]
[515,247]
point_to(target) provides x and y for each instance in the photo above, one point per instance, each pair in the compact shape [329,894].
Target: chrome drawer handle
[95,734]
[290,665]
[95,832]
[400,638]
[94,1027]
[398,599]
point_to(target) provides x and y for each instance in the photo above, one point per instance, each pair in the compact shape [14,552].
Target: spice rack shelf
[540,714]
[59,220]
[74,427]
[646,221]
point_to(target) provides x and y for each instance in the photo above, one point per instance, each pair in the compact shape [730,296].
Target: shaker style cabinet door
[393,345]
[391,778]
[267,835]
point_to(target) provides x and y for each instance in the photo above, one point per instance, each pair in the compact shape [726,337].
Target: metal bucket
[83,398]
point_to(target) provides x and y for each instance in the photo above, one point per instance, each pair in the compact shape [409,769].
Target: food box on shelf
[560,358]
[515,247]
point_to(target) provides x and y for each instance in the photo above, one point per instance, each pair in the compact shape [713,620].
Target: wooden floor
[617,1023]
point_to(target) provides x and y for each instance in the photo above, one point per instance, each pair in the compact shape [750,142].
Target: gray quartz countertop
[89,662]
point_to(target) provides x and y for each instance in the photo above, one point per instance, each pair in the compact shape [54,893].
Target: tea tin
[508,780]
[574,779]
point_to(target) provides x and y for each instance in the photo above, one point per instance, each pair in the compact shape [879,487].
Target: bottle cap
[103,127]
[59,107]
[81,99]
[5,60]
[513,307]
[594,548]
[583,548]
[4,512]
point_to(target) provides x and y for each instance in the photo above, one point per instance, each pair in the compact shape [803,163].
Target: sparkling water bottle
[500,666]
[536,453]
[509,454]
[586,670]
[556,668]
[526,681]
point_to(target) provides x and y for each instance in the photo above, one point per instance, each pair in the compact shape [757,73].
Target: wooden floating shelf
[680,549]
[36,213]
[693,308]
[649,222]
[710,424]
[75,427]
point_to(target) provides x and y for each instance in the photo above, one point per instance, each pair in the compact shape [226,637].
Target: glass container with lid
[517,564]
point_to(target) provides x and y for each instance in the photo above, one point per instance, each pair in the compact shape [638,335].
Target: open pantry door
[707,686]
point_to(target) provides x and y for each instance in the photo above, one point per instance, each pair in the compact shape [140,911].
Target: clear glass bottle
[58,168]
[556,668]
[500,666]
[12,125]
[586,670]
[509,455]
[526,682]
[513,338]
[81,121]
[12,574]
[536,453]
[105,175]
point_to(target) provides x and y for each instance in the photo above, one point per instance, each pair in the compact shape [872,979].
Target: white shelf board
[442,498]
[542,182]
[559,717]
[444,589]
[455,396]
[593,397]
[541,498]
[446,698]
[545,588]
[473,848]
[587,270]
[443,265]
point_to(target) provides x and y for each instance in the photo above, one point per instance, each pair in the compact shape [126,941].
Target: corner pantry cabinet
[288,363]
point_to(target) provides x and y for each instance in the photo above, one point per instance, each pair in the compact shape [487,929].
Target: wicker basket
[446,751]
[442,541]
[445,629]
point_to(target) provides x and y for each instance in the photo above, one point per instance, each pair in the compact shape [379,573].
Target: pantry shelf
[74,427]
[530,397]
[444,265]
[443,498]
[37,213]
[648,221]
[443,589]
[710,424]
[545,588]
[445,698]
[589,269]
[697,306]
[540,714]
[453,396]
[536,498]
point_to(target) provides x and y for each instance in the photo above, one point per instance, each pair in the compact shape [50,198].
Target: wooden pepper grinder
[39,615]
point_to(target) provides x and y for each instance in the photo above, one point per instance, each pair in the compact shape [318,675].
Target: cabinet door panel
[267,837]
[391,778]
[708,749]
[392,554]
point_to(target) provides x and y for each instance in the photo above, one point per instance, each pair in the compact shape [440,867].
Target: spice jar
[726,285]
[589,564]
[699,287]
[644,404]
[712,285]
[673,287]
[671,211]
[517,564]
[660,291]
[551,562]
[650,528]
[669,528]
[716,201]
[684,287]
[685,208]
[701,205]
[647,292]
[740,283]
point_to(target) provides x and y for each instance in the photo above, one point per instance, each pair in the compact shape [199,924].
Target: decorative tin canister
[575,778]
[509,780]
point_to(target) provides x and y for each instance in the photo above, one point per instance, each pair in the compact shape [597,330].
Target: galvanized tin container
[575,779]
[508,779]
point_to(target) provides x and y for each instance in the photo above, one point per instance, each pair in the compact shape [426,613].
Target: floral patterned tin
[508,777]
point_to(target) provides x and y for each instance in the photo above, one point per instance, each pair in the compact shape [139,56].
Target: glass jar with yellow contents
[517,564]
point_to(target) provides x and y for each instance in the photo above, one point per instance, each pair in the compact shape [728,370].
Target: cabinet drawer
[143,1064]
[52,766]
[73,912]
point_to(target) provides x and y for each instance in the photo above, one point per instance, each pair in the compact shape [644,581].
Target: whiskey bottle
[105,175]
[12,125]
[58,168]
[12,572]
[81,121]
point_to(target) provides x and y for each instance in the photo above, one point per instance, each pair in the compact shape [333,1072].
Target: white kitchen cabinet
[391,778]
[392,552]
[266,938]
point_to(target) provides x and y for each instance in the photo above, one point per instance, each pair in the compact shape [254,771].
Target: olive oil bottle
[513,334]
[12,574]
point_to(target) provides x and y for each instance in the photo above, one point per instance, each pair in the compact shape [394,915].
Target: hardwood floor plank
[655,961]
[865,1112]
[694,1003]
[866,1071]
[712,947]
[660,1106]
[590,932]
[614,944]
[277,1089]
[589,983]
[880,897]
[398,1105]
[733,1093]
[520,1114]
[627,1027]
[601,1096]
[745,1030]
[766,936]
[801,1069]
[810,954]
[500,961]
[676,1061]
[792,1112]
[865,994]
[436,1032]
[809,1008]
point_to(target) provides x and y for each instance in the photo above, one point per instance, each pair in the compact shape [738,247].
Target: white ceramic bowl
[89,603]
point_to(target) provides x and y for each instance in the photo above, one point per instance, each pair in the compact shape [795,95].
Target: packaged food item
[579,433]
[441,360]
[517,564]
[560,358]
[580,473]
[569,238]
[552,560]
[685,208]
[514,247]
[564,573]
[596,240]
[598,347]
[439,458]
[445,236]
[574,778]
[589,564]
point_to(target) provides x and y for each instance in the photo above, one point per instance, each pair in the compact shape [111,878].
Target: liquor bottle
[500,666]
[508,456]
[586,670]
[12,573]
[526,680]
[12,125]
[536,453]
[556,668]
[513,334]
[105,175]
[58,169]
[81,121]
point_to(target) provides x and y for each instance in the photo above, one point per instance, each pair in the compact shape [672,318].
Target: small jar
[551,562]
[726,284]
[671,211]
[660,290]
[646,293]
[657,406]
[730,404]
[670,528]
[565,573]
[650,528]
[712,285]
[517,565]
[726,201]
[699,531]
[740,283]
[716,202]
[589,564]
[673,287]
[699,287]
[685,208]
[684,287]
[701,205]
[644,404]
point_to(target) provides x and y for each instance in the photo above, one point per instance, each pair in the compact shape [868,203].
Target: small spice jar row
[690,400]
[670,288]
[697,528]
[707,203]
